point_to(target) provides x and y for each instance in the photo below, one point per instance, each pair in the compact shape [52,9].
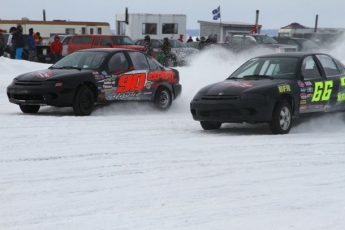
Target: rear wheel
[29,108]
[281,118]
[83,101]
[210,125]
[163,98]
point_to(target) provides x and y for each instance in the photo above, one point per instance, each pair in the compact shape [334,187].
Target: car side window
[96,41]
[106,42]
[340,67]
[139,61]
[155,44]
[329,65]
[153,65]
[118,63]
[309,69]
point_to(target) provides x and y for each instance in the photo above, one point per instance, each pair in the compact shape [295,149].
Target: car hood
[234,87]
[51,74]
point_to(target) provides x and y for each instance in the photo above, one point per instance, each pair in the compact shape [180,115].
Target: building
[155,25]
[48,28]
[223,29]
[321,36]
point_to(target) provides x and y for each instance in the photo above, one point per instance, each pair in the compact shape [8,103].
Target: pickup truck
[86,41]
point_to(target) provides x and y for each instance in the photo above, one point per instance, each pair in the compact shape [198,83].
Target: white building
[155,25]
[48,28]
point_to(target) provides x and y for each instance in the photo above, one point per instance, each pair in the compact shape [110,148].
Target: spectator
[2,43]
[38,38]
[202,43]
[165,52]
[190,39]
[147,45]
[32,46]
[18,42]
[197,39]
[180,38]
[56,49]
[9,48]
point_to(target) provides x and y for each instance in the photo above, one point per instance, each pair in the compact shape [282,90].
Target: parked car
[303,44]
[96,76]
[239,43]
[87,41]
[180,52]
[273,89]
[65,41]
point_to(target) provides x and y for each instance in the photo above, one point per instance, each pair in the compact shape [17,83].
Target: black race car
[96,76]
[273,89]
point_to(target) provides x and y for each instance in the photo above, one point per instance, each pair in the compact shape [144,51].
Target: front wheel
[208,125]
[163,98]
[281,118]
[83,101]
[29,108]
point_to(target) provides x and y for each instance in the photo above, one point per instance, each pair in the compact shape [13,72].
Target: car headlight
[253,96]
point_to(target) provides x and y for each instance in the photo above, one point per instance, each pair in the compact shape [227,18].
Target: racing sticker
[301,84]
[341,92]
[241,84]
[43,74]
[284,88]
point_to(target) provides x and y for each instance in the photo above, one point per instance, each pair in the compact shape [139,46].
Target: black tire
[208,125]
[163,98]
[281,118]
[29,108]
[83,101]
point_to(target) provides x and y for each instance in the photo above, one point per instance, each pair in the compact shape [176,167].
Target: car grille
[29,83]
[220,97]
[219,113]
[27,96]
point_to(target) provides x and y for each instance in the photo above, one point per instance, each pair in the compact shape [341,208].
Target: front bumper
[232,111]
[40,95]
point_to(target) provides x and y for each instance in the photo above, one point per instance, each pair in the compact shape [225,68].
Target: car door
[314,90]
[335,74]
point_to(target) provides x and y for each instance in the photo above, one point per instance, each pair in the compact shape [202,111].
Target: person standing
[190,39]
[180,38]
[2,43]
[9,47]
[147,45]
[56,49]
[18,42]
[37,38]
[165,52]
[32,46]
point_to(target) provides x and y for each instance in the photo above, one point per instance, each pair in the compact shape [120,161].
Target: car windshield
[265,40]
[267,67]
[81,60]
[122,40]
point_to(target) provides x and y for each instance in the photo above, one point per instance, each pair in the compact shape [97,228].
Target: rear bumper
[177,90]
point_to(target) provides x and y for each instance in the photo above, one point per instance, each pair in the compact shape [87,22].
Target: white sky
[273,14]
[129,167]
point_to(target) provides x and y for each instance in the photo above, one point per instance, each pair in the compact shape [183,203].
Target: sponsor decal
[303,102]
[309,95]
[303,96]
[148,85]
[315,106]
[310,89]
[308,83]
[122,96]
[301,84]
[303,107]
[107,86]
[160,75]
[341,96]
[303,90]
[241,84]
[43,74]
[101,95]
[284,88]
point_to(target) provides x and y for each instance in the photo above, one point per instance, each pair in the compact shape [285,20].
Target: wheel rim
[85,101]
[164,99]
[285,118]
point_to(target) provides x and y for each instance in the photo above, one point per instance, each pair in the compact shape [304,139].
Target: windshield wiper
[257,76]
[67,67]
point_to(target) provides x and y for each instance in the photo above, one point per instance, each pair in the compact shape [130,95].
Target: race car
[273,89]
[96,76]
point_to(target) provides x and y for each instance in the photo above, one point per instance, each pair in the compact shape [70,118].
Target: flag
[216,13]
[254,30]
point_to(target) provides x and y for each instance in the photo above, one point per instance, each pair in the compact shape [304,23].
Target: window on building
[70,31]
[99,30]
[91,30]
[83,30]
[149,28]
[169,28]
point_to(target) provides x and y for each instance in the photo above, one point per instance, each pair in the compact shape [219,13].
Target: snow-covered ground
[128,167]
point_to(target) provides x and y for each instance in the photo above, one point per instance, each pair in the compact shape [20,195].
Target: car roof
[292,54]
[109,50]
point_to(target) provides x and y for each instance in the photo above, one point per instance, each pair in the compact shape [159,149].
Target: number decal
[322,91]
[131,82]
